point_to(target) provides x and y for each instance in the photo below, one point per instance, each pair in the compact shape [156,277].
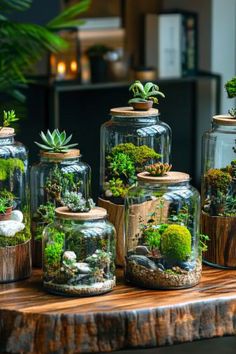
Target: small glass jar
[219,192]
[15,250]
[129,141]
[51,178]
[78,253]
[162,232]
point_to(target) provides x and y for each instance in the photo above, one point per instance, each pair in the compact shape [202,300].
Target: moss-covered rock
[176,243]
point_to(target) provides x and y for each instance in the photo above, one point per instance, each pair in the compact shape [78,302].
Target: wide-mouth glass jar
[15,251]
[219,191]
[51,178]
[79,253]
[162,232]
[129,141]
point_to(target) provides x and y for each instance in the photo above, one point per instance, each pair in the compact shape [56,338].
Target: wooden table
[32,321]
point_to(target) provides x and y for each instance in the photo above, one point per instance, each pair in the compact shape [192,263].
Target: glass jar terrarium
[15,250]
[55,174]
[162,232]
[79,253]
[129,141]
[219,192]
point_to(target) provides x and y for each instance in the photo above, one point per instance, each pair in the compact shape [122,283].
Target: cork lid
[171,177]
[130,112]
[224,119]
[71,154]
[95,213]
[6,132]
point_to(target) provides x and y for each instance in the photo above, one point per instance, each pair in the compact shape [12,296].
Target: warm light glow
[73,66]
[61,67]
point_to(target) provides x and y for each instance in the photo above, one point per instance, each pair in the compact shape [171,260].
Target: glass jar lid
[6,132]
[71,154]
[171,177]
[130,112]
[93,214]
[224,120]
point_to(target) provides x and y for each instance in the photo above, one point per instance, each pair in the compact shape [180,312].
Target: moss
[138,154]
[176,243]
[20,237]
[9,166]
[218,180]
[54,249]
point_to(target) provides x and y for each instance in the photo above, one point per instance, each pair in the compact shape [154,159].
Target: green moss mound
[19,238]
[9,166]
[176,243]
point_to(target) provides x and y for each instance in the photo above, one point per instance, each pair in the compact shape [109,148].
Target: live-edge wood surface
[32,321]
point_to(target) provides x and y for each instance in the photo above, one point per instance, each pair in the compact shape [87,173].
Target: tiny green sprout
[144,93]
[8,118]
[230,87]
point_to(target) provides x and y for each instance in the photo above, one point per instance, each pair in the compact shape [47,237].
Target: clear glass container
[78,253]
[51,178]
[162,232]
[15,251]
[130,140]
[219,192]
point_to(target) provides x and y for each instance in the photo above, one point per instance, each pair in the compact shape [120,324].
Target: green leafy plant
[158,169]
[122,165]
[53,250]
[144,93]
[45,213]
[218,180]
[115,187]
[176,243]
[203,240]
[8,118]
[23,44]
[55,141]
[230,87]
[76,203]
[5,203]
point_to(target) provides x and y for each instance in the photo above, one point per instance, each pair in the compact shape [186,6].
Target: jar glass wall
[15,251]
[219,192]
[79,253]
[162,232]
[55,175]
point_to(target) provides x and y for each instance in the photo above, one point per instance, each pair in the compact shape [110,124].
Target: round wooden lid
[95,213]
[71,154]
[224,119]
[130,112]
[171,177]
[5,132]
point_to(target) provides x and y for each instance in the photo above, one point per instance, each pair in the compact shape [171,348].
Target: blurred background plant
[23,44]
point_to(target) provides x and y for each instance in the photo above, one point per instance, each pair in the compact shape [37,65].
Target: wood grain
[222,245]
[35,322]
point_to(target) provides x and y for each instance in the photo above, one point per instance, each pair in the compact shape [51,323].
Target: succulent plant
[158,169]
[45,213]
[230,87]
[144,93]
[8,118]
[77,203]
[55,141]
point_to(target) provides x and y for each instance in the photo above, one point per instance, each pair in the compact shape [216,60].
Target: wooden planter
[222,245]
[15,262]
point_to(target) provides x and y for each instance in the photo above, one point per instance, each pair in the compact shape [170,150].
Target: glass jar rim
[129,112]
[7,132]
[172,177]
[94,214]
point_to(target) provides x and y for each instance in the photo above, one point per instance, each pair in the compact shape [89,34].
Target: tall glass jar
[15,250]
[79,253]
[129,141]
[219,192]
[55,174]
[162,232]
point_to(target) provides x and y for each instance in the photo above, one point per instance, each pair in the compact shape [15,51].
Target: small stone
[108,193]
[9,228]
[160,266]
[143,261]
[187,265]
[83,268]
[142,250]
[69,256]
[17,215]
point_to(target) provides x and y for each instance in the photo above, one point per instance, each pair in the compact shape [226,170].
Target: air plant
[230,87]
[158,169]
[55,141]
[144,93]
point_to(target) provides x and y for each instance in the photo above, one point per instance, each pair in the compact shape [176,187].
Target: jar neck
[226,128]
[184,184]
[80,221]
[8,140]
[131,120]
[68,161]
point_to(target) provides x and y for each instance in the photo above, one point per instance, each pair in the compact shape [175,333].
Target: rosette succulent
[158,169]
[55,141]
[77,203]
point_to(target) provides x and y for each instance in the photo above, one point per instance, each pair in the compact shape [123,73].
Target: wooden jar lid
[224,119]
[171,177]
[73,153]
[6,132]
[130,112]
[95,213]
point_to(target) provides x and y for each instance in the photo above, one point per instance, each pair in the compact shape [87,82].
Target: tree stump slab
[35,322]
